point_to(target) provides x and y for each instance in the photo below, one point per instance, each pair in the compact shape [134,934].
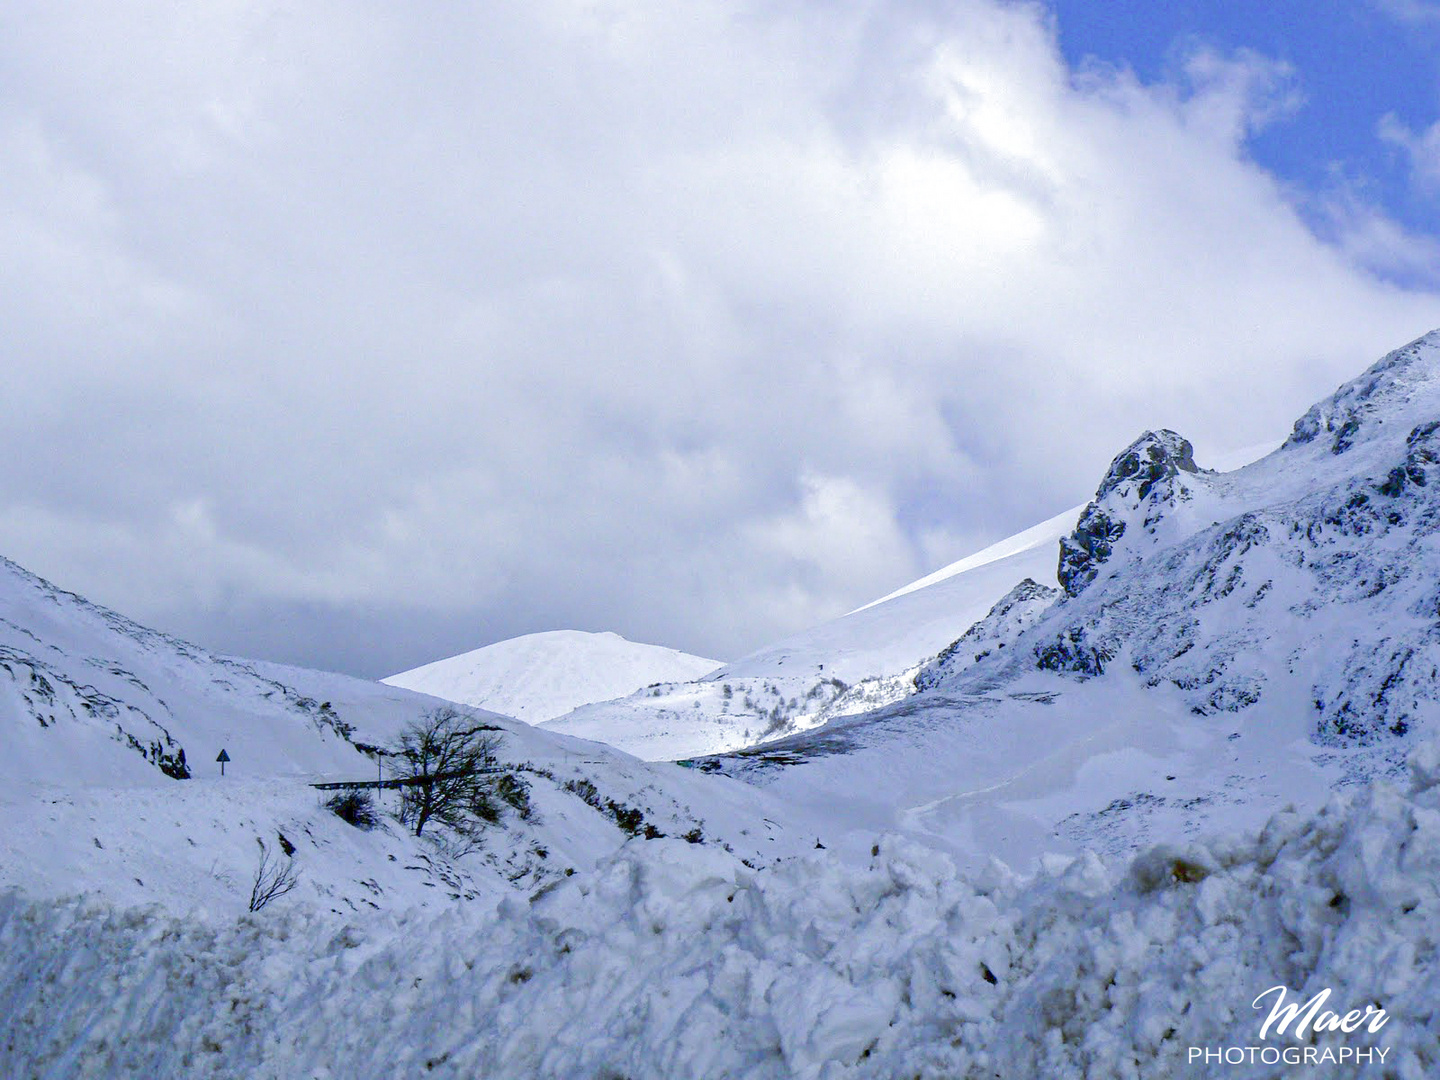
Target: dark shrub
[354,808]
[516,792]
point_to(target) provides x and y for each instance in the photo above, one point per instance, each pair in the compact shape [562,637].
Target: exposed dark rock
[1144,471]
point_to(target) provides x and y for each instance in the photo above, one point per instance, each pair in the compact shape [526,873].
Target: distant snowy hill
[541,676]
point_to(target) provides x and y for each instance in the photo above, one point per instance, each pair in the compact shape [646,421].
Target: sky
[358,335]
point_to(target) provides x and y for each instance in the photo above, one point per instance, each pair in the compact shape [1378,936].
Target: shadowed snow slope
[541,676]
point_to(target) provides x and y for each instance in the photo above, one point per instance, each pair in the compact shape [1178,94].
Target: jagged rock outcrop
[1143,480]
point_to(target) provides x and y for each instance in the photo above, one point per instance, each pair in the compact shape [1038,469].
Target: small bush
[515,791]
[354,808]
[628,818]
[484,805]
[586,791]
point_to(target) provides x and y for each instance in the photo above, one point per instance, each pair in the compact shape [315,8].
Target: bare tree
[448,760]
[271,879]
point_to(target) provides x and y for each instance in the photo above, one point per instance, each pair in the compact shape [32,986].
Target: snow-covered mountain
[858,662]
[539,677]
[1221,644]
[86,695]
[848,665]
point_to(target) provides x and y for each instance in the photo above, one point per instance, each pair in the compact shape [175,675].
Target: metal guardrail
[400,781]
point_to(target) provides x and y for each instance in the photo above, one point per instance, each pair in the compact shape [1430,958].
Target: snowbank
[676,960]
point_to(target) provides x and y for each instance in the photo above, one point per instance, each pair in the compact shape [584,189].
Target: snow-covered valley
[1064,808]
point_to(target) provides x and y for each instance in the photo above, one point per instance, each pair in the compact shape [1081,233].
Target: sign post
[222,757]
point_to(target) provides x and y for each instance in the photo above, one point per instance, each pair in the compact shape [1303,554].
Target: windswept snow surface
[539,677]
[672,960]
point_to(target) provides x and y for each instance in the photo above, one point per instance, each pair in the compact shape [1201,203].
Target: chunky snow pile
[675,960]
[541,676]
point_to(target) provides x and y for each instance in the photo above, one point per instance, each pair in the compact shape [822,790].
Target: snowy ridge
[539,677]
[674,960]
[1313,568]
[88,694]
[1039,538]
[854,664]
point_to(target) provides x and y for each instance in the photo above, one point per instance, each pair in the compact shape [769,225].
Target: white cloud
[559,313]
[1421,149]
[1414,12]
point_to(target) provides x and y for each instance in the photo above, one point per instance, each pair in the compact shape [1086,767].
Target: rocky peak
[1146,473]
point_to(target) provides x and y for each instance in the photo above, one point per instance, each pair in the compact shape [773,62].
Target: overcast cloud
[365,334]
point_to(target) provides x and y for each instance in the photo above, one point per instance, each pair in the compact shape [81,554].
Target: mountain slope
[539,677]
[111,731]
[860,661]
[88,695]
